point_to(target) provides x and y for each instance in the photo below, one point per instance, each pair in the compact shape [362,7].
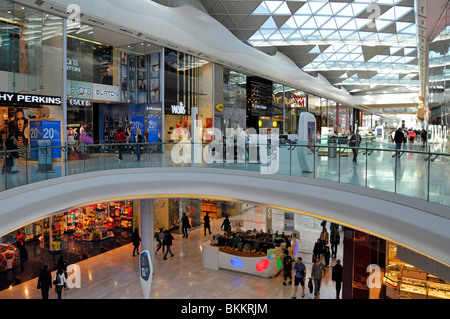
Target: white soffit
[192,29]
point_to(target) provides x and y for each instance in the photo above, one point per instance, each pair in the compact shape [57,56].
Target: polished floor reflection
[115,274]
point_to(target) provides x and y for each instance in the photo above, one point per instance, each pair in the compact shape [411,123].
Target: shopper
[44,281]
[62,264]
[398,138]
[168,242]
[300,275]
[11,145]
[287,267]
[207,224]
[423,136]
[138,139]
[324,238]
[411,136]
[336,276]
[317,273]
[355,141]
[185,225]
[335,239]
[317,250]
[136,239]
[60,282]
[226,224]
[326,256]
[120,139]
[160,238]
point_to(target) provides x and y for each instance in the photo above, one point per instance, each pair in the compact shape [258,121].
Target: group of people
[320,259]
[401,136]
[59,281]
[121,138]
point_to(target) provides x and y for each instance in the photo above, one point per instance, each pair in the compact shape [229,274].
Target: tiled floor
[114,274]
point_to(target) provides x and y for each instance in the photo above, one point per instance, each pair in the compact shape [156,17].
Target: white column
[146,226]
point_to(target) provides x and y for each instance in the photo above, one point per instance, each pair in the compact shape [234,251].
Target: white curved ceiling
[417,225]
[190,29]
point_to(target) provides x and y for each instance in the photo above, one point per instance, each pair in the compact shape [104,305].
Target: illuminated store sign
[80,103]
[178,109]
[28,99]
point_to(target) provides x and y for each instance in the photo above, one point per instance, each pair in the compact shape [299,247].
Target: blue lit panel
[236,262]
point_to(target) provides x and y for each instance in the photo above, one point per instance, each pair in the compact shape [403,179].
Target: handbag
[57,280]
[310,286]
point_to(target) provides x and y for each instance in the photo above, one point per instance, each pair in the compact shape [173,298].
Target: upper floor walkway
[401,196]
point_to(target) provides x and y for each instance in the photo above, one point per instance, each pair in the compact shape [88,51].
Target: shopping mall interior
[318,129]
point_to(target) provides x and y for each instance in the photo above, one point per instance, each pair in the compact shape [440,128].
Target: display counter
[264,264]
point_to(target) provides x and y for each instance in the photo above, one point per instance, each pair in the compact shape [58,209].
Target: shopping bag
[310,286]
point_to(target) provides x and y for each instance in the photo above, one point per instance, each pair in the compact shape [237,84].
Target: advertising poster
[153,129]
[47,130]
[137,122]
[288,221]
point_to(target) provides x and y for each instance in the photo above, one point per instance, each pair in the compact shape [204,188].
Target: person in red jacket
[120,138]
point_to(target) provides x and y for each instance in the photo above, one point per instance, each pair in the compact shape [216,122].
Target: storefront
[404,281]
[188,84]
[75,235]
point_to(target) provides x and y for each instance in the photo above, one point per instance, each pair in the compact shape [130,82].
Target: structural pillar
[146,226]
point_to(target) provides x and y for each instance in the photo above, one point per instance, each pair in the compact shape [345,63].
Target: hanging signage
[153,129]
[104,92]
[28,99]
[45,130]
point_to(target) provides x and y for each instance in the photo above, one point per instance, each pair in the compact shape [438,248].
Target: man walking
[317,273]
[336,276]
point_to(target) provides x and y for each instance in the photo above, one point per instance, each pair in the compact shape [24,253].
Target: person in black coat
[207,224]
[168,240]
[226,225]
[136,242]
[185,225]
[318,249]
[398,138]
[335,239]
[44,281]
[336,276]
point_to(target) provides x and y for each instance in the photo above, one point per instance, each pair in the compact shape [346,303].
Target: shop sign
[104,92]
[28,99]
[259,106]
[298,100]
[73,65]
[80,103]
[178,109]
[80,90]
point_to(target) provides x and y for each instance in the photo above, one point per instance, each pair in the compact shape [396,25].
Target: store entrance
[72,236]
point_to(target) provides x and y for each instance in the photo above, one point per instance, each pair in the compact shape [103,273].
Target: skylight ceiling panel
[304,21]
[272,6]
[316,6]
[283,9]
[336,7]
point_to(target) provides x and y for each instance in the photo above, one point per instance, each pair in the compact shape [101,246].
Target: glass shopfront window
[30,66]
[296,103]
[188,84]
[232,114]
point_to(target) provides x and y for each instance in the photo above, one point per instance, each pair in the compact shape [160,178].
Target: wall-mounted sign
[298,100]
[178,109]
[73,65]
[28,99]
[80,103]
[104,92]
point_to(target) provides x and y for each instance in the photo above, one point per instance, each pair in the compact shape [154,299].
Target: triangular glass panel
[307,32]
[296,36]
[358,8]
[267,33]
[273,5]
[346,12]
[394,50]
[381,24]
[269,24]
[287,32]
[291,23]
[401,11]
[320,21]
[256,37]
[351,25]
[262,9]
[341,21]
[326,33]
[305,10]
[336,7]
[403,25]
[305,22]
[314,36]
[344,34]
[316,6]
[387,2]
[276,36]
[331,24]
[283,9]
[388,15]
[361,23]
[314,50]
[325,11]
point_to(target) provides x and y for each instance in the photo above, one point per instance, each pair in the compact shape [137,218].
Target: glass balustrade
[412,171]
